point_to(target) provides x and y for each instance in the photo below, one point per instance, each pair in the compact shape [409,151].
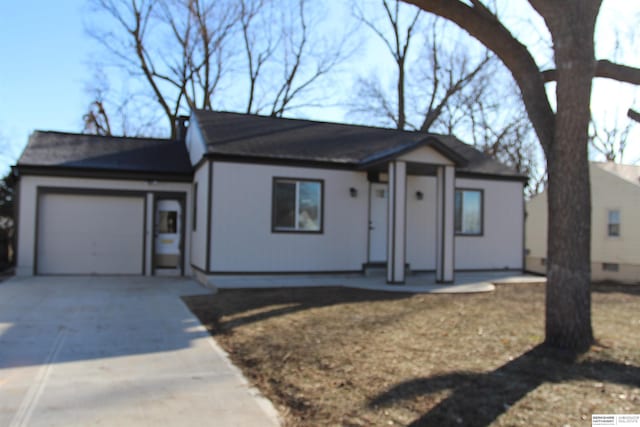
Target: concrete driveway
[84,351]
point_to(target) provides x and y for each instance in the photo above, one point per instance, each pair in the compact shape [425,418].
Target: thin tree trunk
[401,112]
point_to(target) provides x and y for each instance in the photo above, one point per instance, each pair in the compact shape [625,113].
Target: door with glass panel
[167,258]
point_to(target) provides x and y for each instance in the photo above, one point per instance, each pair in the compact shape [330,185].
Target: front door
[168,233]
[378,223]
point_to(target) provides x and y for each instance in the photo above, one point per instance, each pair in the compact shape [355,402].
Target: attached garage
[90,233]
[93,205]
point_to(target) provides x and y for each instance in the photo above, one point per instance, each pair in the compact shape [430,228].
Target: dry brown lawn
[346,357]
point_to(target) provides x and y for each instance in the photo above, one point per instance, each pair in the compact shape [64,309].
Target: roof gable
[426,154]
[628,173]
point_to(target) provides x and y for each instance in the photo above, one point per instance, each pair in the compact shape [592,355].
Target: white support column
[148,234]
[445,233]
[397,222]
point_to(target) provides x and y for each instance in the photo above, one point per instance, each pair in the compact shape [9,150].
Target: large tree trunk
[568,303]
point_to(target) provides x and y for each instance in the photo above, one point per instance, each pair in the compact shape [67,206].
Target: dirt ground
[346,357]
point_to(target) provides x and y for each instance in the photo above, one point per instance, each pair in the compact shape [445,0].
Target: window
[468,212]
[195,205]
[168,222]
[613,227]
[297,205]
[607,266]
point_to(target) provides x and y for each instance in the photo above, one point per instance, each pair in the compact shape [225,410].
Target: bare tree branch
[398,46]
[605,69]
[633,115]
[303,63]
[483,25]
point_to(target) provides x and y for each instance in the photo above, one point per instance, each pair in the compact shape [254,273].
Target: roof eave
[253,159]
[492,176]
[100,173]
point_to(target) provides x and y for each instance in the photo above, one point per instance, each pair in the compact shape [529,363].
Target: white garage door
[90,234]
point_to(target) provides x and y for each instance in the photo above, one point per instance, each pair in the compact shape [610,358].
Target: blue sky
[45,68]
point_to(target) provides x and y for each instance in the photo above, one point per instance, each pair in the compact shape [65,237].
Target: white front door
[168,232]
[378,223]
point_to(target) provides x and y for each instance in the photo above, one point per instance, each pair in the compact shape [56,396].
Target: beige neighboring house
[615,225]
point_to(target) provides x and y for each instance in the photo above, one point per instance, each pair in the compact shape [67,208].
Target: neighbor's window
[613,226]
[297,205]
[468,212]
[608,266]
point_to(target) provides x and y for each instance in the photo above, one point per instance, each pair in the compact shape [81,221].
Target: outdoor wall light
[419,195]
[353,191]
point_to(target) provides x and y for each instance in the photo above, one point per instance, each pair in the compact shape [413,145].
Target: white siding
[425,155]
[501,244]
[27,210]
[199,235]
[536,228]
[242,240]
[421,223]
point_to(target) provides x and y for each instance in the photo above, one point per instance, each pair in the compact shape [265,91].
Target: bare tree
[187,54]
[563,135]
[448,72]
[450,87]
[116,111]
[175,46]
[398,44]
[96,120]
[610,140]
[304,60]
[259,44]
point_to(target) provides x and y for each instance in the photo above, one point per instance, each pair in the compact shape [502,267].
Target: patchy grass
[335,356]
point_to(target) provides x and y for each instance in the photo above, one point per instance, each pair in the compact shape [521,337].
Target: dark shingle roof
[255,137]
[107,153]
[246,135]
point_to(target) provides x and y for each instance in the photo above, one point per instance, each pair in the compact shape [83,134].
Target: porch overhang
[380,161]
[423,159]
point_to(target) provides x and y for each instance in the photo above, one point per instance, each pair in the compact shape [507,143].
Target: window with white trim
[468,212]
[613,225]
[297,205]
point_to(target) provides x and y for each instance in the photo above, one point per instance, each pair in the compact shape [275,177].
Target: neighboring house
[615,232]
[252,194]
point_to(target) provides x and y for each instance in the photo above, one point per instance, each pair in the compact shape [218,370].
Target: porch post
[445,233]
[397,218]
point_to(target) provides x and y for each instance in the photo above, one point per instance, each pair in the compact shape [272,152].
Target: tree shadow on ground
[479,399]
[252,305]
[615,287]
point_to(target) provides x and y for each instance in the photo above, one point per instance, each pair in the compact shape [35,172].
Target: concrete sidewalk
[84,351]
[465,282]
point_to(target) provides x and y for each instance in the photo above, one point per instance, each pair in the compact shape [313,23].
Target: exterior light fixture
[419,195]
[353,192]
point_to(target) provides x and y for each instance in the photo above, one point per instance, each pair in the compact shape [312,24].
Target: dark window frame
[466,234]
[194,214]
[274,228]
